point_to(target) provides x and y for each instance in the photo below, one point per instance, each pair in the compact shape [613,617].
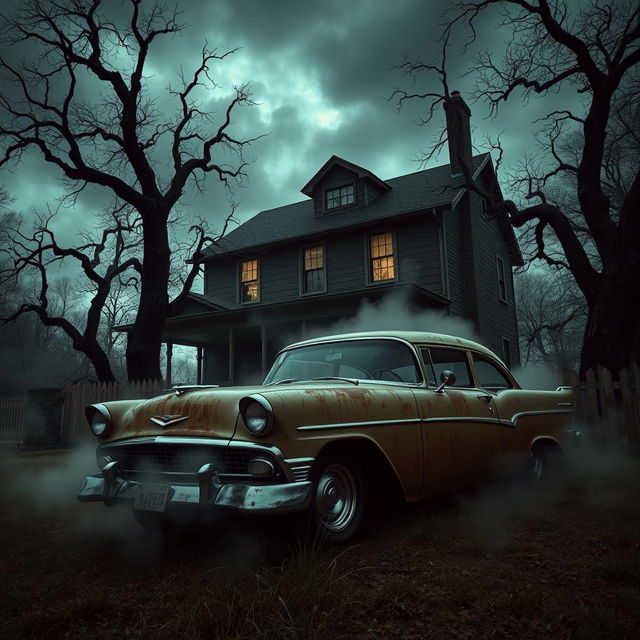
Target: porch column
[232,367]
[199,372]
[263,346]
[169,359]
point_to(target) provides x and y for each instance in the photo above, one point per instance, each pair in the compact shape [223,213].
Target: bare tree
[111,141]
[34,253]
[595,49]
[551,318]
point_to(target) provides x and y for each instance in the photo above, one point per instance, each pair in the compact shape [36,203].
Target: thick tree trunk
[144,341]
[100,362]
[612,334]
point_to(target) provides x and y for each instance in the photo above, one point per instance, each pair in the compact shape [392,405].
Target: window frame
[444,255]
[506,374]
[413,348]
[468,359]
[507,360]
[302,271]
[370,258]
[257,281]
[501,278]
[338,189]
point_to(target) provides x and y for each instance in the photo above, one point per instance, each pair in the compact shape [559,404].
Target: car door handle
[485,396]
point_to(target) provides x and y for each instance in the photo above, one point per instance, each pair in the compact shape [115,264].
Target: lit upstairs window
[313,275]
[249,288]
[340,197]
[382,259]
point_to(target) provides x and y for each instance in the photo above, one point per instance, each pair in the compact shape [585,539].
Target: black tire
[339,499]
[544,464]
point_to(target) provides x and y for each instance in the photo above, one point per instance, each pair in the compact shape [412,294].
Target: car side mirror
[446,377]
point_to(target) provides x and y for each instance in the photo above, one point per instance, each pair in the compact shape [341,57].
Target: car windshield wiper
[285,381]
[351,380]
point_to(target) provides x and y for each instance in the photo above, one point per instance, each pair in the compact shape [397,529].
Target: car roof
[416,337]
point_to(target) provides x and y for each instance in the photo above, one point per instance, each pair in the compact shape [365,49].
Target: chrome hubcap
[336,497]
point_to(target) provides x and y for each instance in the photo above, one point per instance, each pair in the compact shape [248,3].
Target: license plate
[151,497]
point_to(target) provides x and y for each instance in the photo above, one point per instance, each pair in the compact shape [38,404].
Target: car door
[460,428]
[519,410]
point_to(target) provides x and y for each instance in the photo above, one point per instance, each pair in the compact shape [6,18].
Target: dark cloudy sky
[322,74]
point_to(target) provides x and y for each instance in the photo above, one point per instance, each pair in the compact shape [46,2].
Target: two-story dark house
[287,271]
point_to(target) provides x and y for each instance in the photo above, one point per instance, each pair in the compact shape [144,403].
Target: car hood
[316,403]
[211,413]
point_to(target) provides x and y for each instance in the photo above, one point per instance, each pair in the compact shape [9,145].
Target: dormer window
[340,197]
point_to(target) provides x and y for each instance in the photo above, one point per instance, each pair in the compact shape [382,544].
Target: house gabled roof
[333,161]
[419,191]
[198,303]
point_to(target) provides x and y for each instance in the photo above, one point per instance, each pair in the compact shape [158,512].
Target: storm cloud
[322,76]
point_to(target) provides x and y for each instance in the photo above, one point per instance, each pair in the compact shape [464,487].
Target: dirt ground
[562,561]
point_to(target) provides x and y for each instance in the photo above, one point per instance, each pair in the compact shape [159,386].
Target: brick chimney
[458,115]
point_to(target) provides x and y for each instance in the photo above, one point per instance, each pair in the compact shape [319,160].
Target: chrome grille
[178,458]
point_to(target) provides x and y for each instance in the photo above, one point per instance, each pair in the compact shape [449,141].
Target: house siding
[454,257]
[280,274]
[222,279]
[496,317]
[346,262]
[418,248]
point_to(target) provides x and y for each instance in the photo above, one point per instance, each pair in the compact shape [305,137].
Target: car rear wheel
[544,464]
[338,505]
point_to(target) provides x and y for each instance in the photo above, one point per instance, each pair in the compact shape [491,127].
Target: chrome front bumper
[208,494]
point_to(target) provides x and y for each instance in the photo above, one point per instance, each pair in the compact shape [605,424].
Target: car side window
[437,359]
[489,376]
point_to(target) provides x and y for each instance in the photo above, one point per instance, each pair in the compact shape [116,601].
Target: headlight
[257,414]
[99,419]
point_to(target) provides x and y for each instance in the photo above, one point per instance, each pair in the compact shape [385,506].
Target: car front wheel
[339,494]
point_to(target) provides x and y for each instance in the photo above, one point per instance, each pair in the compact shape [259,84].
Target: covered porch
[238,346]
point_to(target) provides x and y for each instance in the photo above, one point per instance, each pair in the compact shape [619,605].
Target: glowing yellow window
[382,259]
[313,270]
[249,289]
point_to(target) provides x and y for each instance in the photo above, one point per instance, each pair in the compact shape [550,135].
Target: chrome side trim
[299,460]
[300,468]
[300,474]
[506,423]
[380,423]
[355,425]
[516,416]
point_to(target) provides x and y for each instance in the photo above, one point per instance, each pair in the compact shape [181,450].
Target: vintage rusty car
[337,420]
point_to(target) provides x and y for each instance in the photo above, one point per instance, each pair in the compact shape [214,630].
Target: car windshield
[387,360]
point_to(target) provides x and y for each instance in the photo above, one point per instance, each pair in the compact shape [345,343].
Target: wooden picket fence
[608,404]
[13,419]
[75,429]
